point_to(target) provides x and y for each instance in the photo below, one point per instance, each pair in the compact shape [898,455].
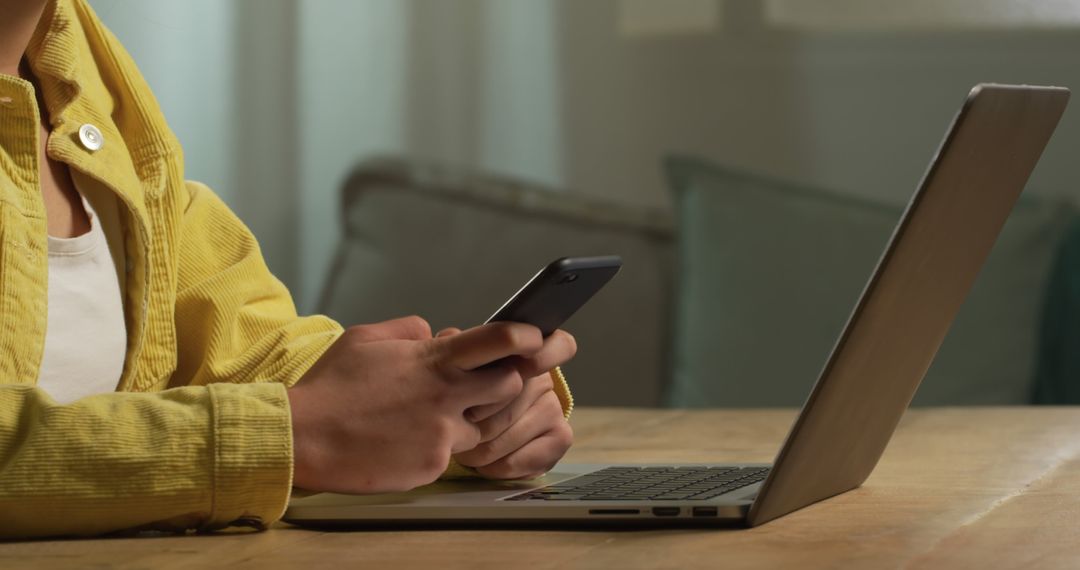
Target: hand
[383,409]
[526,437]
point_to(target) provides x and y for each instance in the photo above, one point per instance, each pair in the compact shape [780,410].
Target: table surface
[957,487]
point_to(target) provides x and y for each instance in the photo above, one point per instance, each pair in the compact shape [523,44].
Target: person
[155,375]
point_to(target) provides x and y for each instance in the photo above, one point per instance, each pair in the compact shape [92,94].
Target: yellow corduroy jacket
[198,434]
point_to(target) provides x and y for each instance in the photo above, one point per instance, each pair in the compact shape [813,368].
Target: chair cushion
[769,272]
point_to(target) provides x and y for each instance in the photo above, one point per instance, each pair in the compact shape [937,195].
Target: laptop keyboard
[648,484]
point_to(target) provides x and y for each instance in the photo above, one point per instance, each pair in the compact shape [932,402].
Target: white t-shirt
[86,338]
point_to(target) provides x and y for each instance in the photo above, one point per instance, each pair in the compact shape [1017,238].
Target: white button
[90,137]
[6,101]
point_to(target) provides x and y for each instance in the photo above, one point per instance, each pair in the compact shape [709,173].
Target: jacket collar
[86,77]
[53,55]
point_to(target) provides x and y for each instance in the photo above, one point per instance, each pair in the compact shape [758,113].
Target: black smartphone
[557,291]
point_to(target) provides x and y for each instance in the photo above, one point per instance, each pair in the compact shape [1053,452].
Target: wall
[292,93]
[861,113]
[352,103]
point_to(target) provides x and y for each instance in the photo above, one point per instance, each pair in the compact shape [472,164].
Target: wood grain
[957,488]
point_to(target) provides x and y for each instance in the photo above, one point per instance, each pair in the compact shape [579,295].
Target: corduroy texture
[199,434]
[204,316]
[183,458]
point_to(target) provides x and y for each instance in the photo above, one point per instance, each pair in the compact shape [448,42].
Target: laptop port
[666,511]
[614,511]
[704,511]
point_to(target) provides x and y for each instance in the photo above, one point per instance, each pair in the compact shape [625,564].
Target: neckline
[81,244]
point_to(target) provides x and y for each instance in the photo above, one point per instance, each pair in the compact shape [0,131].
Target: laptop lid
[887,345]
[926,271]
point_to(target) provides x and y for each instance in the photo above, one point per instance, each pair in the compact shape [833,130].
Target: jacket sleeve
[235,322]
[198,457]
[213,451]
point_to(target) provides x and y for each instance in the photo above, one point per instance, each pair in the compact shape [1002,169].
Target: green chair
[1057,379]
[769,271]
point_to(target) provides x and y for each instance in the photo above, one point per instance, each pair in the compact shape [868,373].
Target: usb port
[704,511]
[666,511]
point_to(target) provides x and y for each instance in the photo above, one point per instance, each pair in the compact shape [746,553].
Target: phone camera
[568,278]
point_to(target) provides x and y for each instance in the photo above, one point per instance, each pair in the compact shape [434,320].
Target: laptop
[886,347]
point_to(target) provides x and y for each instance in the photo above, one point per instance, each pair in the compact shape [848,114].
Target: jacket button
[91,137]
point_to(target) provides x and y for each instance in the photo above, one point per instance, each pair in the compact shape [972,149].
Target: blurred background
[747,157]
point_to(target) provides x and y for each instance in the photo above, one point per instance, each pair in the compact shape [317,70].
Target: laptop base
[488,504]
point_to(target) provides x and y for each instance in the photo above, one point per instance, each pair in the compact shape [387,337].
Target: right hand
[383,409]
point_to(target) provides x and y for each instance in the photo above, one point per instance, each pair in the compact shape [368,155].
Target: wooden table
[957,488]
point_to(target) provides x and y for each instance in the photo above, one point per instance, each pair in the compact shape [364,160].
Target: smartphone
[557,291]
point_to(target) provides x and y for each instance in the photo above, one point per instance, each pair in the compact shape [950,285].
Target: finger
[494,420]
[488,343]
[451,331]
[466,436]
[559,347]
[495,385]
[537,420]
[534,458]
[404,328]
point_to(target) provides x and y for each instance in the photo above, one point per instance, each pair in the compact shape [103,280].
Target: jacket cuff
[562,390]
[252,454]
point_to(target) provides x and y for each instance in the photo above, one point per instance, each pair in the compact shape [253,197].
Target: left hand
[525,438]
